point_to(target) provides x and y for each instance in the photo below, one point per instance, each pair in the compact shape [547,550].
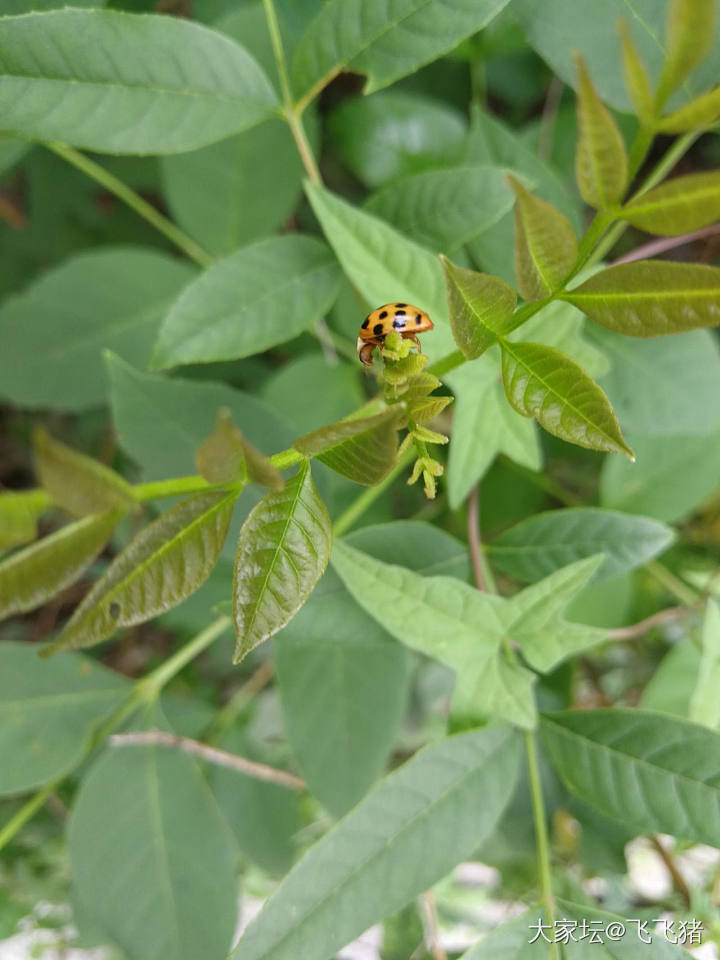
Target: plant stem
[174,487]
[239,700]
[541,836]
[151,685]
[368,497]
[674,585]
[133,200]
[26,812]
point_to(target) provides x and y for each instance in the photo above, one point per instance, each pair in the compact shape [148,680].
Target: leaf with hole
[363,450]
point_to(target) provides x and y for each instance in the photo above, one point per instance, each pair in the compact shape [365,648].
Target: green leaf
[417,132]
[511,940]
[31,576]
[650,298]
[678,206]
[48,712]
[671,687]
[383,43]
[542,382]
[170,856]
[254,299]
[626,948]
[601,166]
[545,245]
[343,680]
[484,425]
[161,421]
[164,563]
[637,82]
[363,450]
[653,772]
[672,476]
[59,83]
[701,112]
[412,829]
[705,703]
[444,209]
[79,484]
[227,457]
[689,36]
[543,543]
[18,515]
[53,334]
[282,552]
[480,307]
[384,265]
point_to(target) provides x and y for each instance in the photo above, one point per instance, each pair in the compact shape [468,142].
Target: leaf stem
[151,685]
[674,585]
[541,835]
[134,200]
[26,812]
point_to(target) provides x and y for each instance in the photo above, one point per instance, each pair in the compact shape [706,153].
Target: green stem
[674,585]
[368,497]
[175,487]
[541,835]
[133,200]
[26,812]
[152,685]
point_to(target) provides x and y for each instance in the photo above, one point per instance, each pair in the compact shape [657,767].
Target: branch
[677,878]
[221,758]
[642,627]
[667,243]
[432,933]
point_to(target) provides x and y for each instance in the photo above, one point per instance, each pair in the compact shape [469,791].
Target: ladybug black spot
[418,318]
[378,328]
[365,323]
[401,305]
[383,314]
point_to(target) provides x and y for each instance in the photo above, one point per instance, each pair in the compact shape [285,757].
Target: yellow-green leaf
[637,82]
[362,450]
[31,576]
[701,112]
[545,245]
[542,382]
[690,33]
[18,516]
[227,457]
[282,552]
[76,482]
[166,562]
[601,165]
[677,206]
[651,297]
[480,306]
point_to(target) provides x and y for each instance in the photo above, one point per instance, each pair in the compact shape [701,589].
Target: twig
[473,527]
[642,626]
[677,878]
[322,332]
[239,700]
[432,932]
[549,118]
[221,758]
[653,247]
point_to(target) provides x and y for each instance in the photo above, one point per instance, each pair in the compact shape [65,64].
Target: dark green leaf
[410,831]
[649,298]
[542,382]
[79,484]
[653,772]
[600,161]
[18,516]
[60,84]
[282,552]
[678,206]
[511,940]
[48,712]
[480,307]
[543,543]
[31,576]
[545,245]
[166,562]
[363,450]
[152,858]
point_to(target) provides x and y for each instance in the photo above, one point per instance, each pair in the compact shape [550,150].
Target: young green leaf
[257,297]
[48,712]
[282,552]
[701,112]
[637,82]
[601,166]
[79,484]
[363,450]
[18,516]
[689,36]
[480,308]
[227,457]
[545,245]
[653,772]
[542,382]
[705,703]
[31,576]
[407,834]
[678,206]
[59,84]
[650,298]
[536,547]
[365,36]
[162,565]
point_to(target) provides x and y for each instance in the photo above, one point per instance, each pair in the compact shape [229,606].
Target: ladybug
[404,318]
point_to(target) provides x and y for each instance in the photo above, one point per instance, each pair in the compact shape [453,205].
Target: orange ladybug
[404,318]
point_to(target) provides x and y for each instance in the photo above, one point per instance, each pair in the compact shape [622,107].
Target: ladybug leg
[415,341]
[365,353]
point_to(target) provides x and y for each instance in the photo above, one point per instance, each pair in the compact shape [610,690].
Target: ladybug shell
[404,318]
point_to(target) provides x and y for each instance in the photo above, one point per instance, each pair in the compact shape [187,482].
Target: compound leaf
[480,306]
[363,450]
